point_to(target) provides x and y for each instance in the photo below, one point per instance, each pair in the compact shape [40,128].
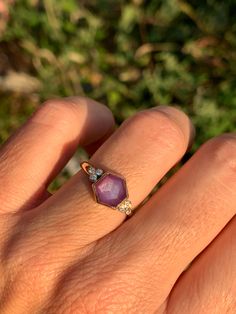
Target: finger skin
[34,155]
[66,227]
[209,285]
[142,151]
[180,220]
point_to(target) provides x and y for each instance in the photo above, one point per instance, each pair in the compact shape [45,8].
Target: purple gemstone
[110,190]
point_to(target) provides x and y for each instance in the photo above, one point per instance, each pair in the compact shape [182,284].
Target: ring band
[109,188]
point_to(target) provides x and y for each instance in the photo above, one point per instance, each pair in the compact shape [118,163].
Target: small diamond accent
[93,177]
[127,203]
[99,172]
[125,207]
[91,170]
[122,209]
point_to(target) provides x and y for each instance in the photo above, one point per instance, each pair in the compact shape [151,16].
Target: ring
[109,189]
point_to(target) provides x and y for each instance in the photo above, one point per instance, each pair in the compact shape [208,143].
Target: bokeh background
[130,55]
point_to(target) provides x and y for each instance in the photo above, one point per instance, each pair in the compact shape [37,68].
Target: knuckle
[32,273]
[65,111]
[157,125]
[60,107]
[104,299]
[27,261]
[222,152]
[113,291]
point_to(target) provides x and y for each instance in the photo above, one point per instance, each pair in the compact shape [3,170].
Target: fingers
[209,285]
[181,219]
[143,149]
[36,153]
[65,228]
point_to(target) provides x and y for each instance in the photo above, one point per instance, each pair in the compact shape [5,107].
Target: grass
[129,55]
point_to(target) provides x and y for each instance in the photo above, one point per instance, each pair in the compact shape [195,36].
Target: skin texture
[64,253]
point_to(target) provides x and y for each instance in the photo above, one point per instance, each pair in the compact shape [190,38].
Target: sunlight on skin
[71,254]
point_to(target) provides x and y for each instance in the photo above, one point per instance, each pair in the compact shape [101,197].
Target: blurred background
[130,55]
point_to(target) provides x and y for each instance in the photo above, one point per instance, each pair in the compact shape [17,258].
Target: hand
[64,253]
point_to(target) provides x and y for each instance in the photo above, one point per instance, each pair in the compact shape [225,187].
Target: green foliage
[130,55]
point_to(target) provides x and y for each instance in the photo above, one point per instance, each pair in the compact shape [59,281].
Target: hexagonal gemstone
[110,190]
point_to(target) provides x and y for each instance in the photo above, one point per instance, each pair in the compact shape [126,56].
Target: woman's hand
[64,253]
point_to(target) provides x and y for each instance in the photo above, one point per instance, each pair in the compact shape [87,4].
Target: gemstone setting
[110,190]
[93,177]
[125,207]
[99,172]
[91,170]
